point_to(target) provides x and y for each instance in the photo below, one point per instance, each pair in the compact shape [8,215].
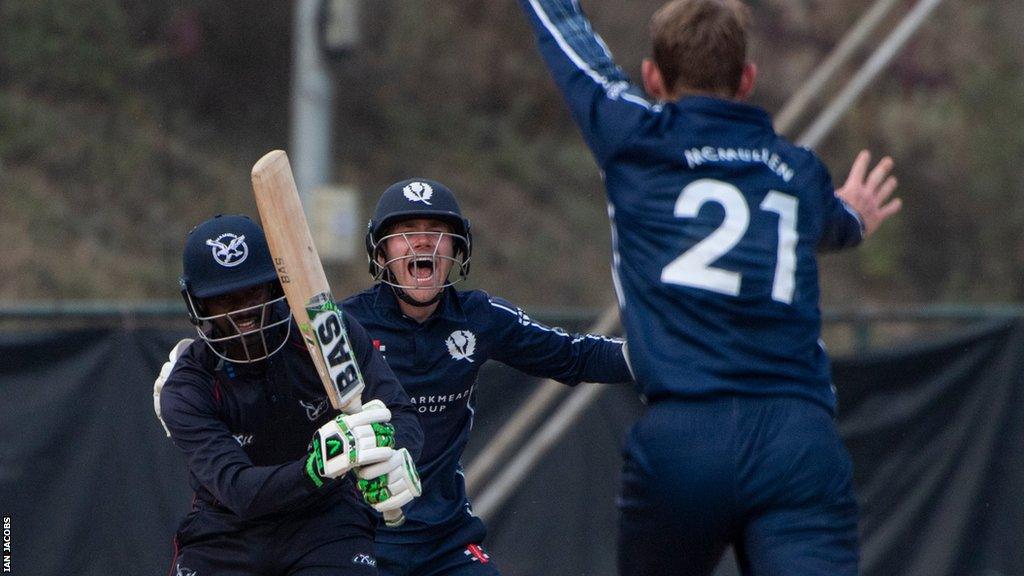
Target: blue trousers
[455,553]
[769,476]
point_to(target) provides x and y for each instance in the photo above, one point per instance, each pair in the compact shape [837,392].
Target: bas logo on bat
[282,270]
[332,339]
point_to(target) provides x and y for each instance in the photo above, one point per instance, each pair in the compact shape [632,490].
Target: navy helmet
[417,198]
[222,255]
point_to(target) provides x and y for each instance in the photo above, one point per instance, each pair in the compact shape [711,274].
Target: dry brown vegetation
[124,123]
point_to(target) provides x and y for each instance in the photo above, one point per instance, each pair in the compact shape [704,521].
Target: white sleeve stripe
[580,63]
[637,100]
[559,332]
[532,323]
[569,52]
[599,337]
[505,308]
[616,260]
[855,215]
[600,41]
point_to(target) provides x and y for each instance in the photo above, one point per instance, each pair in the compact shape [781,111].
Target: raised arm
[605,105]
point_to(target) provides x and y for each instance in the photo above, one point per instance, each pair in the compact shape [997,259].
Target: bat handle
[354,405]
[394,518]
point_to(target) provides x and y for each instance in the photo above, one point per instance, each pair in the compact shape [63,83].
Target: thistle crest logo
[461,345]
[183,571]
[229,250]
[418,192]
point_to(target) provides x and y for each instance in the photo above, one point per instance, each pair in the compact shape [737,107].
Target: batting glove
[165,371]
[350,441]
[391,484]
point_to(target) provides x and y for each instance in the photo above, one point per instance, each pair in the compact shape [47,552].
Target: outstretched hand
[869,195]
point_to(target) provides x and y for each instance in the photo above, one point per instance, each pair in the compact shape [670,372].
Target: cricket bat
[304,282]
[305,286]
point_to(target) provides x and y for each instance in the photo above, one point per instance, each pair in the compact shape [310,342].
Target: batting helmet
[417,198]
[226,254]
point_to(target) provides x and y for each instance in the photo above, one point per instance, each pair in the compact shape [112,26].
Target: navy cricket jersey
[245,429]
[715,223]
[437,362]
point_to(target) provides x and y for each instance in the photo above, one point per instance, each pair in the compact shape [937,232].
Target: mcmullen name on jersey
[700,154]
[439,403]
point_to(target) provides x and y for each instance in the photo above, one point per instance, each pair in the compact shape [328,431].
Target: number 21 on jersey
[694,267]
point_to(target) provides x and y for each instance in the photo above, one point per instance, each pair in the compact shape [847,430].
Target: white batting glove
[165,371]
[351,441]
[389,485]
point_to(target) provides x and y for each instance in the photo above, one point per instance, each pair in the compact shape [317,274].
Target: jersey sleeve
[841,225]
[605,105]
[539,350]
[382,384]
[218,461]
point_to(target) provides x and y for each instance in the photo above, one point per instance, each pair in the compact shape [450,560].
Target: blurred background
[124,123]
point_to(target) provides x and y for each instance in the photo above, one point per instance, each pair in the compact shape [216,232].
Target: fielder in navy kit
[436,338]
[716,221]
[242,403]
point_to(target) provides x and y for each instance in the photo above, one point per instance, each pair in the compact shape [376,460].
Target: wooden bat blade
[303,279]
[285,225]
[305,287]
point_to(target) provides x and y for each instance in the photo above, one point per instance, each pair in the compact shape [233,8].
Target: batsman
[268,459]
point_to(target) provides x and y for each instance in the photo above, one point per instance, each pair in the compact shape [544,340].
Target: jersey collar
[723,107]
[448,308]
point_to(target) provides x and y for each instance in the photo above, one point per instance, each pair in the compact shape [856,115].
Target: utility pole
[322,30]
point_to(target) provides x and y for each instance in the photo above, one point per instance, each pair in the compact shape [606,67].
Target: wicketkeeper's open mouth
[422,268]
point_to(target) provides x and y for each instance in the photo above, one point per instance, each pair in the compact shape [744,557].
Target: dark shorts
[455,553]
[212,543]
[769,476]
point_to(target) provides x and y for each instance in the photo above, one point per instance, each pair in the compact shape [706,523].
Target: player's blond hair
[701,45]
